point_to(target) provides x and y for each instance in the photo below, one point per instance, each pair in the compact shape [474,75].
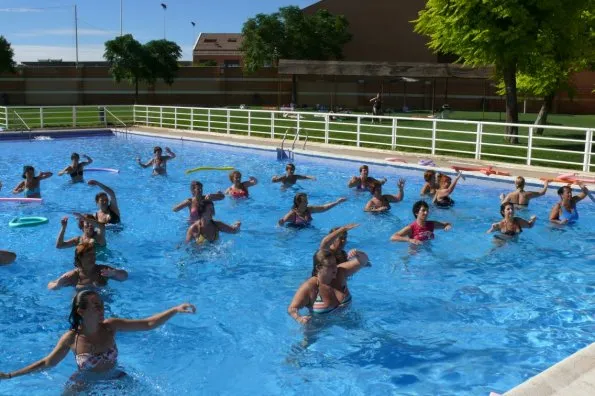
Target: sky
[44,29]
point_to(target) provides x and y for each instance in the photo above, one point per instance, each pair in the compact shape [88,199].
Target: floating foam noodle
[20,199]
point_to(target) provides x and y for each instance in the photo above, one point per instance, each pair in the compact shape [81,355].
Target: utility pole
[76,37]
[121,17]
[164,6]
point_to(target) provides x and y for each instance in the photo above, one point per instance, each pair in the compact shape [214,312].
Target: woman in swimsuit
[192,202]
[520,197]
[335,241]
[207,229]
[239,189]
[75,170]
[92,338]
[362,182]
[565,211]
[158,161]
[327,289]
[109,212]
[381,202]
[421,229]
[87,272]
[301,214]
[93,232]
[431,184]
[510,225]
[30,186]
[442,197]
[290,178]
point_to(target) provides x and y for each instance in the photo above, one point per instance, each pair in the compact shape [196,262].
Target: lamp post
[164,6]
[121,19]
[193,38]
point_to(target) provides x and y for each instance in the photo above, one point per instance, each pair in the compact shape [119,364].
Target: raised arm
[184,204]
[109,192]
[300,300]
[404,235]
[56,356]
[150,323]
[218,196]
[399,197]
[328,240]
[68,169]
[583,194]
[60,243]
[44,175]
[524,223]
[354,181]
[114,273]
[358,261]
[230,229]
[452,186]
[19,188]
[535,194]
[327,206]
[170,154]
[251,182]
[89,161]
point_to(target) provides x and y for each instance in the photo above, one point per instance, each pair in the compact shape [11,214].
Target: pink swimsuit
[422,233]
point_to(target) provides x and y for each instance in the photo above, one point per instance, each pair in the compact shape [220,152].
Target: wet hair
[202,206]
[298,198]
[520,181]
[322,258]
[417,207]
[75,155]
[80,250]
[157,148]
[503,207]
[232,173]
[361,168]
[83,218]
[80,300]
[290,165]
[444,177]
[27,168]
[561,190]
[374,185]
[428,175]
[99,195]
[195,183]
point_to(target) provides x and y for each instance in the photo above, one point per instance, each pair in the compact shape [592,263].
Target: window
[232,40]
[231,63]
[210,40]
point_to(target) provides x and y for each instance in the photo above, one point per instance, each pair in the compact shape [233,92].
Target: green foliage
[291,34]
[207,63]
[7,63]
[162,60]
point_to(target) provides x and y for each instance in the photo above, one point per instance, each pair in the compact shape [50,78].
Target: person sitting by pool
[75,170]
[381,202]
[87,272]
[206,228]
[7,257]
[565,211]
[442,197]
[239,189]
[93,232]
[30,186]
[290,178]
[109,212]
[362,182]
[421,229]
[335,241]
[520,197]
[158,161]
[327,289]
[431,184]
[192,202]
[92,338]
[510,225]
[301,214]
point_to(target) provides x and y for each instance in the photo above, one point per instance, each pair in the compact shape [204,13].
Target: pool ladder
[283,154]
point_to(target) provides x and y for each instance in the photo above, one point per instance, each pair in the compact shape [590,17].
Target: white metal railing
[3,117]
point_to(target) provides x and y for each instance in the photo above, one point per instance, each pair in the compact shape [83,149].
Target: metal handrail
[117,119]
[295,138]
[305,141]
[23,121]
[284,137]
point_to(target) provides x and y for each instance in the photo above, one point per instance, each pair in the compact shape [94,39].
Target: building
[218,49]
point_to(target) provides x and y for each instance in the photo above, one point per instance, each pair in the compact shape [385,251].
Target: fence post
[209,120]
[6,116]
[192,118]
[228,121]
[175,118]
[297,126]
[160,116]
[74,116]
[326,128]
[434,137]
[147,115]
[41,117]
[529,146]
[478,141]
[588,145]
[393,142]
[249,121]
[134,114]
[359,123]
[272,125]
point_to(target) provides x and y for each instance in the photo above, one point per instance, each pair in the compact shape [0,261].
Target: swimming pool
[455,317]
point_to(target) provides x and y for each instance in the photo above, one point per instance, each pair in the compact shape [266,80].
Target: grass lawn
[456,139]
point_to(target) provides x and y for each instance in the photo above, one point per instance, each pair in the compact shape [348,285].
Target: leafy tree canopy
[7,63]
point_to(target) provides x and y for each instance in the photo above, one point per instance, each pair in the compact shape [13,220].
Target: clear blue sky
[41,29]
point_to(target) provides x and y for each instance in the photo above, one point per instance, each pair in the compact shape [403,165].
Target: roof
[219,42]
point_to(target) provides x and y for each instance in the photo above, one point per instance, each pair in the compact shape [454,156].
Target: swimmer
[30,186]
[75,170]
[109,212]
[92,338]
[335,241]
[207,229]
[239,189]
[363,181]
[565,211]
[192,202]
[327,289]
[510,225]
[93,232]
[421,229]
[442,197]
[520,197]
[431,184]
[158,161]
[301,214]
[381,202]
[7,257]
[87,272]
[290,178]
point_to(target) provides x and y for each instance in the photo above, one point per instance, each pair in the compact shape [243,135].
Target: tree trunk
[294,89]
[546,107]
[136,91]
[512,110]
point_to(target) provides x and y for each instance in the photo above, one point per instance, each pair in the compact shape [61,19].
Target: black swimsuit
[445,202]
[113,217]
[77,172]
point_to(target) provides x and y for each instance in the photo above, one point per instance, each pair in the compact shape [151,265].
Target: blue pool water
[459,316]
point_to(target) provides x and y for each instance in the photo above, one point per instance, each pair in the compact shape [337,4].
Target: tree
[498,33]
[131,61]
[291,34]
[7,63]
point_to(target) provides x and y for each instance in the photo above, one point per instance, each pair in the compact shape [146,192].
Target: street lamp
[164,6]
